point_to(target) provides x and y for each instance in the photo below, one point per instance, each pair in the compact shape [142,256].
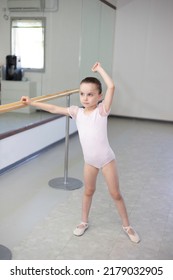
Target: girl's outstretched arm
[44,106]
[109,83]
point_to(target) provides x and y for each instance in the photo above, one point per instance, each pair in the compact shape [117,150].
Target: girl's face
[89,95]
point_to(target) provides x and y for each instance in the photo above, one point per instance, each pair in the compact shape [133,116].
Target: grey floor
[37,221]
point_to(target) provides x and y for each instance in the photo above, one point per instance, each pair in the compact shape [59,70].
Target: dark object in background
[13,72]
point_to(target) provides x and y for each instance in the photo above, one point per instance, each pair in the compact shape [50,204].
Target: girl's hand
[96,67]
[25,100]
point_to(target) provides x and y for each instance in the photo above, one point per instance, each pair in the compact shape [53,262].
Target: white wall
[143,59]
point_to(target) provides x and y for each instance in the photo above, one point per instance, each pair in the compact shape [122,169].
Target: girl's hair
[93,80]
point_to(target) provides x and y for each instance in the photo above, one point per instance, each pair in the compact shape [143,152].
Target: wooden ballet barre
[17,105]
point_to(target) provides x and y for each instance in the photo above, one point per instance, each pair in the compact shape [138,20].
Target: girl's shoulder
[101,108]
[73,110]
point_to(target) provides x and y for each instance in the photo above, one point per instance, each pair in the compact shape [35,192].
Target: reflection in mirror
[12,122]
[61,58]
[23,65]
[30,120]
[26,54]
[71,43]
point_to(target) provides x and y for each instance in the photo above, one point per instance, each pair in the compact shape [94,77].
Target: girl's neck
[88,110]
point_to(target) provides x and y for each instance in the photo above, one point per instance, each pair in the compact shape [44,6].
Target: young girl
[91,121]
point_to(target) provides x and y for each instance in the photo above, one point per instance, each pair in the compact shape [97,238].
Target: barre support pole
[66,182]
[66,143]
[5,253]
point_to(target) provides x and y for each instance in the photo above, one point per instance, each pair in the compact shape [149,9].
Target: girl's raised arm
[109,83]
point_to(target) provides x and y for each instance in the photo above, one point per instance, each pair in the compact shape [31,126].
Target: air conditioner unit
[25,5]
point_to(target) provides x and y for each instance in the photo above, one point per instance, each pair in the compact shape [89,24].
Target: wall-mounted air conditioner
[25,5]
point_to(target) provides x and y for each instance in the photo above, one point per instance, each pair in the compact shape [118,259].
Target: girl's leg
[90,176]
[111,176]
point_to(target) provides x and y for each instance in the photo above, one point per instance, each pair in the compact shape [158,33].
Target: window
[28,42]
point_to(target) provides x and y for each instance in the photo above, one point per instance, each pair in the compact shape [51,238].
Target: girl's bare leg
[111,176]
[90,176]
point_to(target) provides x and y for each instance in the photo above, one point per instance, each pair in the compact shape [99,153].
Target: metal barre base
[5,253]
[71,184]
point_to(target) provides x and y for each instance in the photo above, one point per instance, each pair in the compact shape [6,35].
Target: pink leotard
[92,129]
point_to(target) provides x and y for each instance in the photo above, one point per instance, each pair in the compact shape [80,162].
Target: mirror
[72,46]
